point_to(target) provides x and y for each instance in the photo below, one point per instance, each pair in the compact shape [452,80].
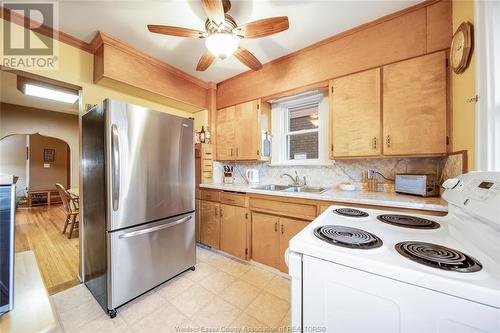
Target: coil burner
[438,256]
[407,221]
[347,237]
[350,212]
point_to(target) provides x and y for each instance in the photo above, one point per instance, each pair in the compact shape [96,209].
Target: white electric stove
[381,271]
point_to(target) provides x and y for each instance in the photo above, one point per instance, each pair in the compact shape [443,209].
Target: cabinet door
[414,102]
[288,229]
[355,114]
[265,239]
[198,219]
[226,134]
[210,223]
[233,230]
[247,130]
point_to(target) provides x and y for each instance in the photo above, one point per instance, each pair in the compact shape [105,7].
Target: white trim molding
[280,129]
[487,48]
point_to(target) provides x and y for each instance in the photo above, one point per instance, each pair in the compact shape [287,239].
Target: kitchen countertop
[357,197]
[32,310]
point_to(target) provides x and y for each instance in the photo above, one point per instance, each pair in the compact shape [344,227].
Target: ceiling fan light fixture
[222,44]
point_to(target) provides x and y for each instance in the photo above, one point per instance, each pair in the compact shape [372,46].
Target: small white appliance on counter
[252,176]
[422,185]
[367,270]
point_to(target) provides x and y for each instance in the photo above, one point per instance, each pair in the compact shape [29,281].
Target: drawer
[207,180]
[235,199]
[210,195]
[302,211]
[207,167]
[207,152]
[158,250]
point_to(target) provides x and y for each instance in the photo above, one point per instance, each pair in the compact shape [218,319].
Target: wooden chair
[70,204]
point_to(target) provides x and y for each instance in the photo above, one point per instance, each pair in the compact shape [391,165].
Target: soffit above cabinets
[310,22]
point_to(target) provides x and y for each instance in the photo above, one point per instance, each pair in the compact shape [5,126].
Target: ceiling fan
[222,34]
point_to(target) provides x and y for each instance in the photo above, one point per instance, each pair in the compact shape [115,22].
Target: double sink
[291,188]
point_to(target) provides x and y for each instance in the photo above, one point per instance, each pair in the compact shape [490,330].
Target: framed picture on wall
[49,155]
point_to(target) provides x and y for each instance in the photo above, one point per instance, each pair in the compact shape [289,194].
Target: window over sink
[300,129]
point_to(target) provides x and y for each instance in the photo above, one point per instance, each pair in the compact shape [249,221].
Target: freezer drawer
[143,257]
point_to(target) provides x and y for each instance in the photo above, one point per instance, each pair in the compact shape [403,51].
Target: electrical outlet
[371,173]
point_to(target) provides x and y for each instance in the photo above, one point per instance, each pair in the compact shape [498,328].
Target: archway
[40,161]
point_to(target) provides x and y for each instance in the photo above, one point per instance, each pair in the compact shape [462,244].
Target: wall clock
[461,48]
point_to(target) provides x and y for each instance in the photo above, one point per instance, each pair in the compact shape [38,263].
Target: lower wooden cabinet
[270,237]
[233,230]
[288,229]
[265,240]
[210,223]
[197,220]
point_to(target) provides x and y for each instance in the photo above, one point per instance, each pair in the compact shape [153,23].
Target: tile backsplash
[340,171]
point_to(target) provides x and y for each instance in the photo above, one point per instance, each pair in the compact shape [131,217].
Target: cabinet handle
[374,143]
[282,229]
[220,212]
[215,211]
[236,151]
[388,141]
[276,227]
[231,151]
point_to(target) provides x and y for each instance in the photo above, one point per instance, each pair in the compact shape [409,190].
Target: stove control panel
[475,192]
[482,190]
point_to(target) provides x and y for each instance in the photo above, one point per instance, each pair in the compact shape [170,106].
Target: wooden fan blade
[247,58]
[264,27]
[205,61]
[176,31]
[214,10]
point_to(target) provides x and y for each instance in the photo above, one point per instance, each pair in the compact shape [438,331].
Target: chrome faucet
[295,180]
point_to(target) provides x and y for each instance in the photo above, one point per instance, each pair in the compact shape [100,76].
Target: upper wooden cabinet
[239,131]
[355,115]
[415,107]
[226,133]
[399,109]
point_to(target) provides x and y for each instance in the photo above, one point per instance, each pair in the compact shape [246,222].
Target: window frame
[281,131]
[487,127]
[288,133]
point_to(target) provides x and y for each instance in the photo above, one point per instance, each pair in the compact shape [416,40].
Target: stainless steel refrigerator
[137,200]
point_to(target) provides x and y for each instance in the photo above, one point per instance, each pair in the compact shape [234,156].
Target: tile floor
[222,293]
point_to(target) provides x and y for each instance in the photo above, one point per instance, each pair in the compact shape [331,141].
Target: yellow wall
[464,87]
[200,119]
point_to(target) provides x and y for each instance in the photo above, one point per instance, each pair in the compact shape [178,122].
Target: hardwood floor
[39,229]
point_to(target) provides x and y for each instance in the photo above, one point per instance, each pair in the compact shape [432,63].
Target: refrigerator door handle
[115,151]
[153,229]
